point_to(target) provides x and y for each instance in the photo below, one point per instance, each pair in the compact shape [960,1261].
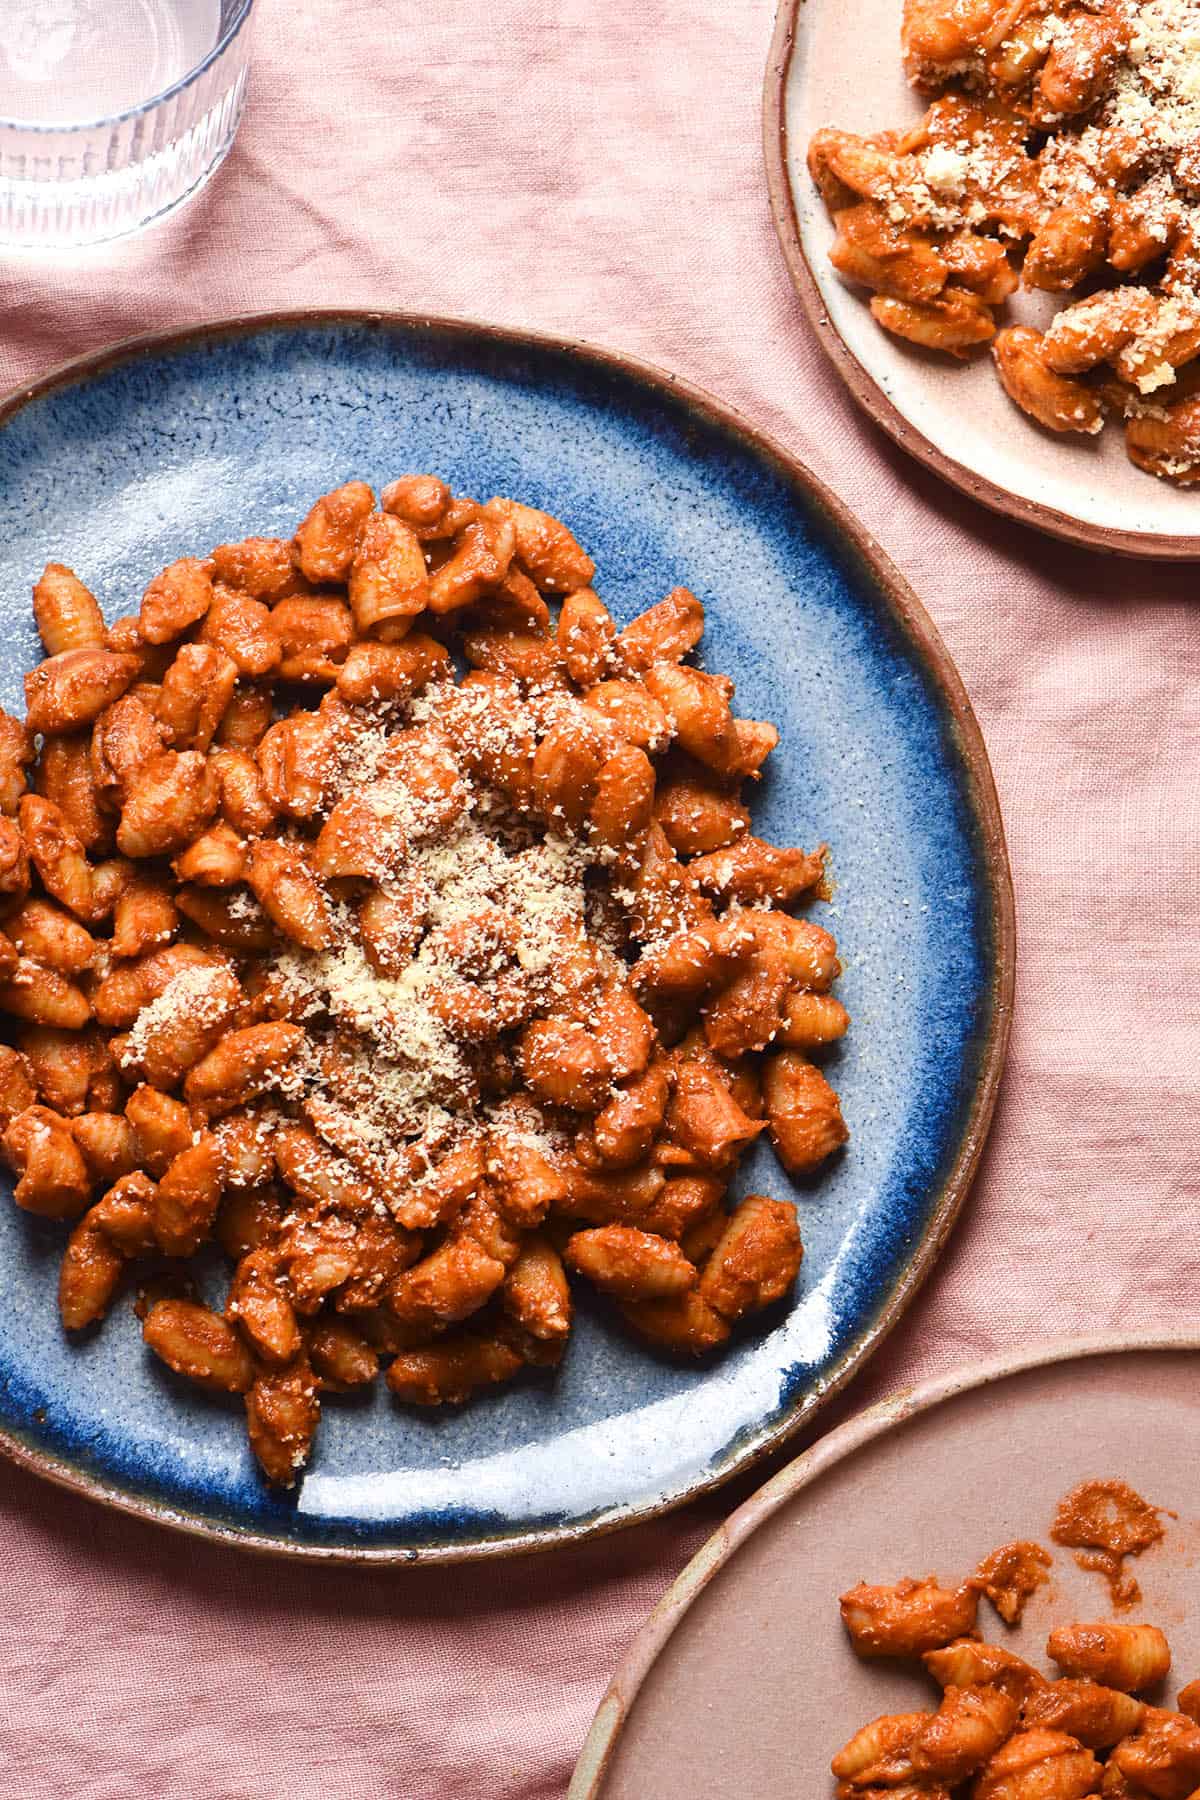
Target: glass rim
[66,128]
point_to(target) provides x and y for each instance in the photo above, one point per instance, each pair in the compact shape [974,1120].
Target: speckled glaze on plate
[168,446]
[954,417]
[742,1681]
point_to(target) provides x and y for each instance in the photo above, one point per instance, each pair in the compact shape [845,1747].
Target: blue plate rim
[926,643]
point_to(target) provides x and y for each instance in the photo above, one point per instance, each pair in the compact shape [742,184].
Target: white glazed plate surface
[846,72]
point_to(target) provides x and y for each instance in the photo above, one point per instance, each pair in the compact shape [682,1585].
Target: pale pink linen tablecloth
[594,169]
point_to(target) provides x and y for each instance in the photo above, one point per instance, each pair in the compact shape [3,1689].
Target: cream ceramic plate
[956,419]
[742,1682]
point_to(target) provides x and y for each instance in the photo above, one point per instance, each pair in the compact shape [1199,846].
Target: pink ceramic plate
[742,1682]
[829,68]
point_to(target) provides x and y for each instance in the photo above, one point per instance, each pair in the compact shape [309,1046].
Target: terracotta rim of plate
[1166,546]
[587,1781]
[918,628]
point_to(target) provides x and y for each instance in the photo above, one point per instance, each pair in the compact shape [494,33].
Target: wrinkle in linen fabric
[595,171]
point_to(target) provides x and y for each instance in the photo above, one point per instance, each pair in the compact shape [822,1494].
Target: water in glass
[89,146]
[68,62]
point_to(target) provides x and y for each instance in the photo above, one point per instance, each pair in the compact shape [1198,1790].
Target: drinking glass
[113,112]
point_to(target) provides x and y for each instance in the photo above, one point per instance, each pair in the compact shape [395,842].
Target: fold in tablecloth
[595,170]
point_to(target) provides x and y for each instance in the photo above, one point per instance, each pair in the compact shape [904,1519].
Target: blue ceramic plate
[168,446]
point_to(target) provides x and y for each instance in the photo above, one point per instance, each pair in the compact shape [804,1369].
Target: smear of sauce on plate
[1106,1521]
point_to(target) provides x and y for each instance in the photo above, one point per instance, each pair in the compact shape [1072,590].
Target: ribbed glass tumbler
[113,112]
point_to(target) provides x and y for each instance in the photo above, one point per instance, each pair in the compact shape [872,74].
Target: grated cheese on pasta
[382,1078]
[188,995]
